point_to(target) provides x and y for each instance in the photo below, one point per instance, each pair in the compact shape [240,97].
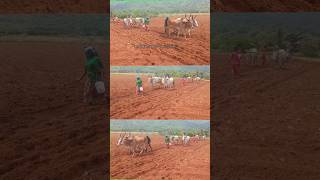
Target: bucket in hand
[100,87]
[141,89]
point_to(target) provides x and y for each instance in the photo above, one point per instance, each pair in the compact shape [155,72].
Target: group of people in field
[255,57]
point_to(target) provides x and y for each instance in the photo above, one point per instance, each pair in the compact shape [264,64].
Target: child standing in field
[94,71]
[235,62]
[139,88]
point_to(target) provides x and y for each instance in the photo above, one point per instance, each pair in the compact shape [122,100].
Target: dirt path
[266,122]
[46,132]
[124,50]
[182,102]
[178,162]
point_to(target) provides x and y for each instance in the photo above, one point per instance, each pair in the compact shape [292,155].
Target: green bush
[310,49]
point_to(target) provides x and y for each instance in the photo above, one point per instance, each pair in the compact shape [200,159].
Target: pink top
[235,58]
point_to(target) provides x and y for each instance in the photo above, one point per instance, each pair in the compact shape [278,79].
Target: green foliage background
[142,8]
[175,71]
[164,127]
[246,30]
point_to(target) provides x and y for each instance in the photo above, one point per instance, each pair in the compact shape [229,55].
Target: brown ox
[136,144]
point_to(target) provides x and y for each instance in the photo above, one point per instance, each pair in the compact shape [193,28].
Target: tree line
[181,74]
[297,32]
[149,8]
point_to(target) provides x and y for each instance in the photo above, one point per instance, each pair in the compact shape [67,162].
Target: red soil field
[189,102]
[265,6]
[193,51]
[178,162]
[266,123]
[54,6]
[46,132]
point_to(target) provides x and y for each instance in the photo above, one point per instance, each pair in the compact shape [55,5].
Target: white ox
[252,56]
[280,57]
[127,22]
[196,79]
[168,82]
[185,140]
[175,139]
[138,21]
[155,81]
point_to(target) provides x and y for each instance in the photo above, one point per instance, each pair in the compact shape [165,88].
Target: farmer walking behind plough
[95,81]
[146,23]
[139,88]
[167,141]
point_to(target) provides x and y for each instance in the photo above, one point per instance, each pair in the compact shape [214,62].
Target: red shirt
[235,58]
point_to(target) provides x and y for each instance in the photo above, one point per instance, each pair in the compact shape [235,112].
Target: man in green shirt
[138,86]
[146,23]
[167,141]
[94,71]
